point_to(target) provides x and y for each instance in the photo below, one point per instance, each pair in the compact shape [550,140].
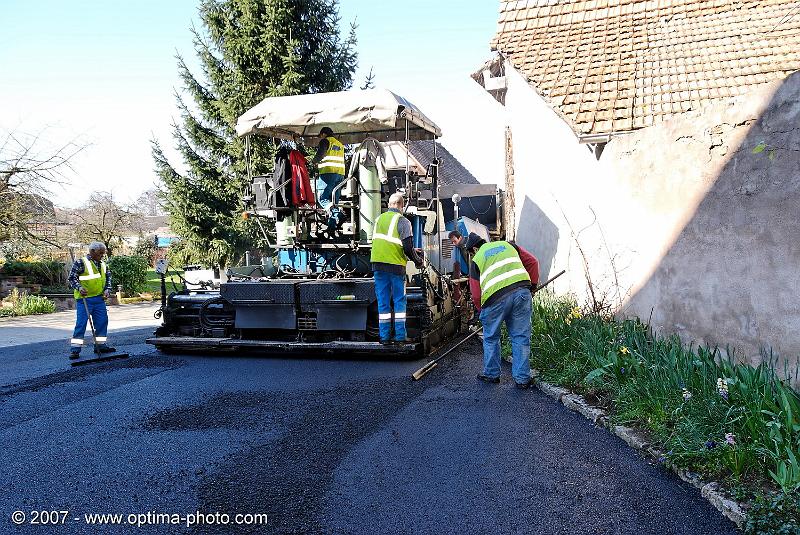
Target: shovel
[420,373]
[99,357]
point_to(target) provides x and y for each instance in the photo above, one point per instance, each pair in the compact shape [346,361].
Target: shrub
[180,254]
[130,272]
[774,513]
[46,273]
[25,305]
[34,304]
[713,415]
[146,248]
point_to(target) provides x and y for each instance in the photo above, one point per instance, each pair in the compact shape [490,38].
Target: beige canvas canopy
[352,115]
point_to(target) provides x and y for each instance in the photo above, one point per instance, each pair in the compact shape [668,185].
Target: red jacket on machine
[302,193]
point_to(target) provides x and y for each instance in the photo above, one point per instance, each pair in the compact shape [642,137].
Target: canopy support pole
[408,163]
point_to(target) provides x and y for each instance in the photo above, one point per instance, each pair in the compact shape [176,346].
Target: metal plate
[373,348]
[266,316]
[274,291]
[328,290]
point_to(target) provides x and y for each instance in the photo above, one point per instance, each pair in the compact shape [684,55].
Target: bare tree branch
[28,167]
[104,220]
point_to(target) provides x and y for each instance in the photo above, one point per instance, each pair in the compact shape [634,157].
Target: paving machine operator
[392,248]
[330,163]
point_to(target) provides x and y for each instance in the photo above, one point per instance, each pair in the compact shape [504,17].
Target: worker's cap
[325,130]
[473,241]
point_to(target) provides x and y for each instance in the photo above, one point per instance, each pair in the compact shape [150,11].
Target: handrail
[334,204]
[271,193]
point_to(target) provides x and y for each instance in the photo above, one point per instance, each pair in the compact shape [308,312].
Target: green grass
[154,281]
[729,421]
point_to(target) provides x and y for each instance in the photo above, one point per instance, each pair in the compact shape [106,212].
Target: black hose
[207,323]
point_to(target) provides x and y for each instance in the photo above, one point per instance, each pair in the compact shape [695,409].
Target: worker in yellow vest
[330,163]
[90,281]
[501,279]
[392,248]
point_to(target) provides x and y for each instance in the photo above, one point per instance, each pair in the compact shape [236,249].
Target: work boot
[386,342]
[106,349]
[524,385]
[74,355]
[487,379]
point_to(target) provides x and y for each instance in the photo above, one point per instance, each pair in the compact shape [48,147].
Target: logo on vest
[494,251]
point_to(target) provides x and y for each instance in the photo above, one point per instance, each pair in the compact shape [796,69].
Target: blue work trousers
[391,292]
[97,309]
[325,186]
[515,309]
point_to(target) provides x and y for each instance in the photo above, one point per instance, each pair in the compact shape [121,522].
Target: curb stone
[708,490]
[555,392]
[577,403]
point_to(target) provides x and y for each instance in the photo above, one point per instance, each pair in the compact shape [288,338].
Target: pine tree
[249,50]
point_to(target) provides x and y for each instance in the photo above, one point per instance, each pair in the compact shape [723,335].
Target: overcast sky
[104,73]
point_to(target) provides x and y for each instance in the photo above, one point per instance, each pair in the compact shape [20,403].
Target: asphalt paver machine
[313,293]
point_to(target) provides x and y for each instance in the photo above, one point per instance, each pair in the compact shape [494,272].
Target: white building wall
[686,223]
[556,180]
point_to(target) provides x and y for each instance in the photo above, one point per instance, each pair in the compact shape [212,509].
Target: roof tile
[617,65]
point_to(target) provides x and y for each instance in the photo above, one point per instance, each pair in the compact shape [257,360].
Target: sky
[104,74]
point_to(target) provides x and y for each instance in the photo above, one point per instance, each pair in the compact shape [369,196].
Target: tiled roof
[618,65]
[451,170]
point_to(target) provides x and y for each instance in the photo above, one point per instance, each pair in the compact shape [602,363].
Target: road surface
[319,446]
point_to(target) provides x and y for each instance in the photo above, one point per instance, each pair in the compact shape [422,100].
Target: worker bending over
[392,248]
[501,279]
[90,281]
[459,253]
[330,163]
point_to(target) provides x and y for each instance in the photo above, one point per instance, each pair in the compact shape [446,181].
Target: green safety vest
[500,266]
[387,247]
[333,161]
[93,282]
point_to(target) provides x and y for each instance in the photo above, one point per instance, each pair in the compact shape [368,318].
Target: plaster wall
[554,178]
[692,223]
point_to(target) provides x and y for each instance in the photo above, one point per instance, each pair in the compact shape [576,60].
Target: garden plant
[725,420]
[25,305]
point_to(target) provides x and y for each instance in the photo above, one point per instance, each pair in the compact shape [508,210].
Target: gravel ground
[321,446]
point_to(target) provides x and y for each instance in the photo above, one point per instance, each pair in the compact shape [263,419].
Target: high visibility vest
[93,282]
[387,247]
[333,161]
[500,266]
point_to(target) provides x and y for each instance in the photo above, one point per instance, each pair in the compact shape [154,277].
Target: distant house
[656,142]
[41,217]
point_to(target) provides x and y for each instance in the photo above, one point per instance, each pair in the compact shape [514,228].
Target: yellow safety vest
[500,266]
[387,247]
[333,161]
[93,282]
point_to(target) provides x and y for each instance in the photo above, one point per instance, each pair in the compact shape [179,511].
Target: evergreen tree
[250,50]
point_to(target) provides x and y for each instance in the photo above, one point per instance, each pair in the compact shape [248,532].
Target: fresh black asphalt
[321,445]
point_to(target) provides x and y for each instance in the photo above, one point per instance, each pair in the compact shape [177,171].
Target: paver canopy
[352,115]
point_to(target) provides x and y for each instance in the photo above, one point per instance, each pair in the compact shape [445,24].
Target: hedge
[45,273]
[130,272]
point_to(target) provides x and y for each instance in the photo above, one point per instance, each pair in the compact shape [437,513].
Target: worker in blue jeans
[392,247]
[330,164]
[90,281]
[502,277]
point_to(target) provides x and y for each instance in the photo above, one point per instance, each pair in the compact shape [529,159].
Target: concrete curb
[708,490]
